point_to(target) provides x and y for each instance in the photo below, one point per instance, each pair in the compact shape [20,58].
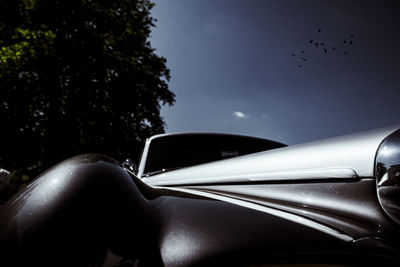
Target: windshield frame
[145,154]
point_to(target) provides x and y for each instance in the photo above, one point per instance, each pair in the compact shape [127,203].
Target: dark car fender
[74,211]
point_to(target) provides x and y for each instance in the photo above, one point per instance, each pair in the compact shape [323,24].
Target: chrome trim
[305,174]
[143,158]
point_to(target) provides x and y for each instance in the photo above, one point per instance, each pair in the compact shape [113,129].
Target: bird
[348,40]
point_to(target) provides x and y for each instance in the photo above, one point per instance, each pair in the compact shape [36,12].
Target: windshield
[172,152]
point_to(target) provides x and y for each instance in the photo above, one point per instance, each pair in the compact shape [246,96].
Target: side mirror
[130,165]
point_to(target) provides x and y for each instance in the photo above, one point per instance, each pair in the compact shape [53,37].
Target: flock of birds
[325,48]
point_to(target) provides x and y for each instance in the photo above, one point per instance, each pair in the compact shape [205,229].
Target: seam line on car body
[275,212]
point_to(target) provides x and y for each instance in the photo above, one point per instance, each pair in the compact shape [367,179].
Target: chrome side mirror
[130,165]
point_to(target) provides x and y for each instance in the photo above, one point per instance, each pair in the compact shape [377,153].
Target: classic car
[215,200]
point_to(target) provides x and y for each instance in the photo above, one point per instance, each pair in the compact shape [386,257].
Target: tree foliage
[77,76]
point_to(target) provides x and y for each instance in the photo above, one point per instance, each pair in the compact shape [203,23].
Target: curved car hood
[346,156]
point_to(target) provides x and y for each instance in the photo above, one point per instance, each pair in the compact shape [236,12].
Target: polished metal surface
[388,175]
[314,203]
[143,158]
[74,212]
[130,165]
[340,157]
[331,206]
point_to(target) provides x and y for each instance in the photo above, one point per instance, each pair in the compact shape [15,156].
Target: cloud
[239,115]
[263,115]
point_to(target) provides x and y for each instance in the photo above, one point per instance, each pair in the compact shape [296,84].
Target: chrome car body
[334,201]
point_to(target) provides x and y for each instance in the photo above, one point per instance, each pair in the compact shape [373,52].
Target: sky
[252,67]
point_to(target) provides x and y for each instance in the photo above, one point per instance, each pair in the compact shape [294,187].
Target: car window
[179,151]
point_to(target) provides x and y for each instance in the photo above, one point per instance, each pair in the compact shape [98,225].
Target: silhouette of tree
[77,76]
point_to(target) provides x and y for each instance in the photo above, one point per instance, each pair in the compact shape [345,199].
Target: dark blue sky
[233,71]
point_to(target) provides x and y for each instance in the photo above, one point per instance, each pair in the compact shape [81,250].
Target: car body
[329,202]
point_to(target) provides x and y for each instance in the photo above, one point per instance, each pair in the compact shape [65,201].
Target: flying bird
[325,47]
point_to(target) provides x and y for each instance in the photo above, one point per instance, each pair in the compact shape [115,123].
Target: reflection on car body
[216,200]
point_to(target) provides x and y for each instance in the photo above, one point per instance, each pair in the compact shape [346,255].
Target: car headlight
[387,173]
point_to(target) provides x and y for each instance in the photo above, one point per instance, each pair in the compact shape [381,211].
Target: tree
[77,76]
